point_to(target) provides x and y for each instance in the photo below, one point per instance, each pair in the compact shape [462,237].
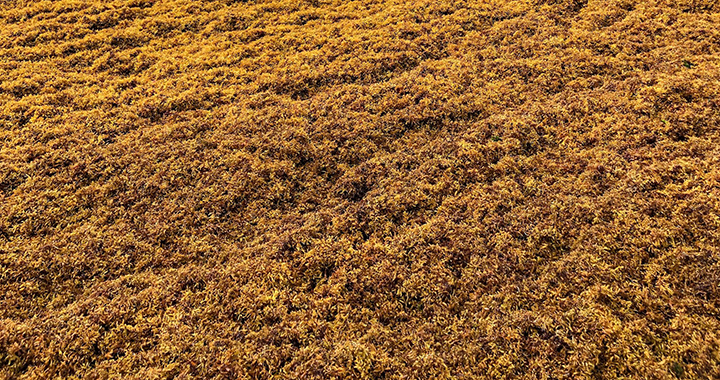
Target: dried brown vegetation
[360,189]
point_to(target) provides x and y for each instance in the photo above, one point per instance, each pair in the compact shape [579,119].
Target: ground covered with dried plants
[371,189]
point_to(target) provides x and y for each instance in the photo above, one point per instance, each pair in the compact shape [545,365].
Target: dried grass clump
[360,189]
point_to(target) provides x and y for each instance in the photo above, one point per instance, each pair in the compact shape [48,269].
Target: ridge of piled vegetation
[517,189]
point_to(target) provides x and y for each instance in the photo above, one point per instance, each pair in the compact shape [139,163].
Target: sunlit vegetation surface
[360,189]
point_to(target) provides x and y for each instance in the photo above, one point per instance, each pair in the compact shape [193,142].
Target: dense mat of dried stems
[517,189]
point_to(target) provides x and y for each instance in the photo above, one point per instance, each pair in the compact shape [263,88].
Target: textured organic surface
[416,189]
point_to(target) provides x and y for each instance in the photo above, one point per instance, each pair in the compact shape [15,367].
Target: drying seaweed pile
[372,189]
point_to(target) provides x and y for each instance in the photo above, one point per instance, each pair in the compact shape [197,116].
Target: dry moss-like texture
[360,189]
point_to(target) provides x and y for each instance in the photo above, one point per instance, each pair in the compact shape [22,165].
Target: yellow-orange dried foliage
[466,189]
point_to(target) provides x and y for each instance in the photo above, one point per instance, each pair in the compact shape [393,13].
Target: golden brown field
[372,189]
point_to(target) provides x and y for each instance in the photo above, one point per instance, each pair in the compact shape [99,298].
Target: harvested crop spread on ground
[418,189]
